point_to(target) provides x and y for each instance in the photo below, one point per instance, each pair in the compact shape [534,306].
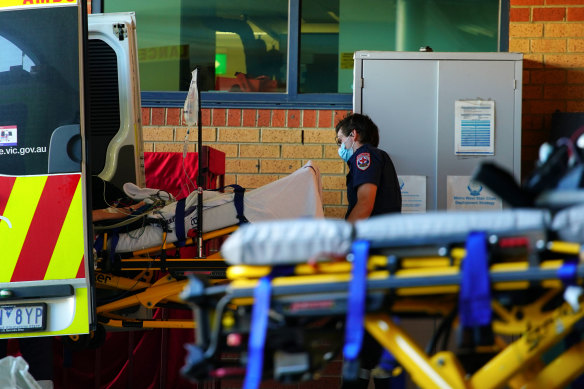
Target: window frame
[292,99]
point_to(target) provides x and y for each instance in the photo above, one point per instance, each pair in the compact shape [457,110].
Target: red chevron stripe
[81,270]
[45,228]
[6,184]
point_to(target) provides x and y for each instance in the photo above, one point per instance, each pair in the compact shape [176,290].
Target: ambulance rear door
[45,266]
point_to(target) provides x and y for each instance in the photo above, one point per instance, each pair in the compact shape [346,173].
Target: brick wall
[551,35]
[260,145]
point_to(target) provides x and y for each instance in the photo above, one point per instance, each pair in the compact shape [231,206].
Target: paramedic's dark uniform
[371,165]
[374,166]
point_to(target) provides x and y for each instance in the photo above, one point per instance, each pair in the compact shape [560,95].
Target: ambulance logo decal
[363,161]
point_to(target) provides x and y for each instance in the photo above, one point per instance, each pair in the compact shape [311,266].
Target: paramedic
[372,185]
[372,189]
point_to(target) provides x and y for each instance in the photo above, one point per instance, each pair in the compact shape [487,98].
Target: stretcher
[140,264]
[301,293]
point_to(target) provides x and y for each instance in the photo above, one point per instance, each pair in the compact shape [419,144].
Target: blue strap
[257,336]
[259,326]
[238,192]
[179,222]
[475,287]
[356,304]
[568,273]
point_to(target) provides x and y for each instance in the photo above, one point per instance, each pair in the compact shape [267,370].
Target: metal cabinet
[412,95]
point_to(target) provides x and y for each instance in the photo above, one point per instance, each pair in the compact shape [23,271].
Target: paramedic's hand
[112,213]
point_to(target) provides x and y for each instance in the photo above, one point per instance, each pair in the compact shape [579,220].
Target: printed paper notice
[413,192]
[462,193]
[474,127]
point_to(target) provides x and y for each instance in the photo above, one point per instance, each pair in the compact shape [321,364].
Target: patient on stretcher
[298,195]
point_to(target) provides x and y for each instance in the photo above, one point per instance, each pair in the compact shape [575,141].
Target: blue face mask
[345,153]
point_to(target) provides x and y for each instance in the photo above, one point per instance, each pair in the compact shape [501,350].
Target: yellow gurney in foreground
[291,305]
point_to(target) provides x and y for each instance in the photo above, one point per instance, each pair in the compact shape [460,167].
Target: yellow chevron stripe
[20,209]
[69,249]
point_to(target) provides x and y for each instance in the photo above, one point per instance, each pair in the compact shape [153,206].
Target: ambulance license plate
[23,317]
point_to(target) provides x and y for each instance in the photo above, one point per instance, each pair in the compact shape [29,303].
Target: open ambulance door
[45,243]
[115,120]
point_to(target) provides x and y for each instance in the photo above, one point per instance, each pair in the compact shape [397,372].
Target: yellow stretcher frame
[516,365]
[142,291]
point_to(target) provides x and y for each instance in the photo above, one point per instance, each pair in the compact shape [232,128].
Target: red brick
[145,116]
[264,117]
[309,118]
[234,117]
[206,116]
[218,118]
[338,115]
[293,118]
[575,106]
[575,76]
[519,14]
[548,76]
[564,92]
[531,122]
[546,106]
[575,15]
[249,117]
[533,62]
[526,76]
[532,92]
[526,2]
[157,116]
[564,2]
[325,118]
[279,118]
[534,138]
[173,116]
[549,14]
[529,155]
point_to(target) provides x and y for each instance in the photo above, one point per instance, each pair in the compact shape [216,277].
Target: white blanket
[298,195]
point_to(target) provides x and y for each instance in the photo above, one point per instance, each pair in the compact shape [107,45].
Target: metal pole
[200,177]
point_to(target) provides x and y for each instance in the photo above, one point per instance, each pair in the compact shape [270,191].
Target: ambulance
[51,120]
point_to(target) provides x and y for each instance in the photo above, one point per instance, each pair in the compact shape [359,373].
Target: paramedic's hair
[365,127]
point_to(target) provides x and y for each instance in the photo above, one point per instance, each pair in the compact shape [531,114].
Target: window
[290,52]
[39,79]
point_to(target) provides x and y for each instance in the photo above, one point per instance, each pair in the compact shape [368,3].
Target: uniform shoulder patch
[363,161]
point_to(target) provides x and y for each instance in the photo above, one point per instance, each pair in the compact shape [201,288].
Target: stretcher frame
[145,293]
[410,289]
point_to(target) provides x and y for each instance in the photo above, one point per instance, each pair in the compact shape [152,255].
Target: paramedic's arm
[365,201]
[114,213]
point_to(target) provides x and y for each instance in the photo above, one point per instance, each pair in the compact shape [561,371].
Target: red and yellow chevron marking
[24,4]
[44,239]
